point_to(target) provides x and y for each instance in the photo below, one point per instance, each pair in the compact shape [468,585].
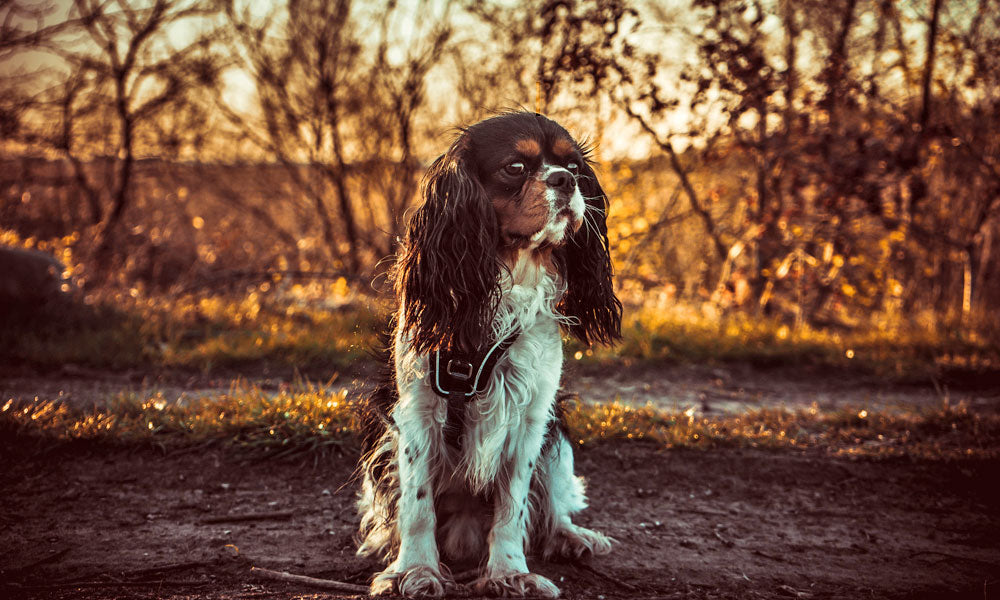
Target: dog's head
[513,183]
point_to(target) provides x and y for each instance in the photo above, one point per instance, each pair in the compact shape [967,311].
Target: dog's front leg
[506,568]
[416,571]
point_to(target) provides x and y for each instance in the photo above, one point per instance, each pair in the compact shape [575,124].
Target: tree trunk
[925,86]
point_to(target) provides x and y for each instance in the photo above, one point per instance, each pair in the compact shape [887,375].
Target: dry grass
[306,418]
[325,326]
[310,419]
[681,334]
[298,330]
[943,433]
[205,333]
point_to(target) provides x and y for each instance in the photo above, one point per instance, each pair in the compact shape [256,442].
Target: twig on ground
[955,557]
[46,559]
[98,584]
[605,576]
[325,584]
[169,567]
[266,516]
[707,513]
[117,576]
[790,591]
[771,556]
[725,542]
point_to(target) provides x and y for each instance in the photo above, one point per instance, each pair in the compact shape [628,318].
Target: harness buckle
[459,369]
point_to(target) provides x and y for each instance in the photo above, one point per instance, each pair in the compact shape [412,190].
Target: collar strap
[464,375]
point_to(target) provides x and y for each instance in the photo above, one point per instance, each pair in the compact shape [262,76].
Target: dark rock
[32,282]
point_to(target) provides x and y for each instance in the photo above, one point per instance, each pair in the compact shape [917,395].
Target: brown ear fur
[448,274]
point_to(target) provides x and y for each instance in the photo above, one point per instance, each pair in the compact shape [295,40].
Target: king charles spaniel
[466,458]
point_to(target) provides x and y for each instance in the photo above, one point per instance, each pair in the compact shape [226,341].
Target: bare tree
[546,51]
[125,83]
[339,108]
[829,175]
[22,28]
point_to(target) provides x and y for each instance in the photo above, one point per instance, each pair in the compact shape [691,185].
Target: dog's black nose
[561,180]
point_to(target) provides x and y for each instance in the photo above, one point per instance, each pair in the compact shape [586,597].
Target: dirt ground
[84,521]
[89,522]
[709,390]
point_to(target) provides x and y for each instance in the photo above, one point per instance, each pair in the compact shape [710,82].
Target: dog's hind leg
[557,494]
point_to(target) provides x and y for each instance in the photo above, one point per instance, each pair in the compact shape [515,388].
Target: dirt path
[737,388]
[691,524]
[706,390]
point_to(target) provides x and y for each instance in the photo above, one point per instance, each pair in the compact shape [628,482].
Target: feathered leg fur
[412,445]
[557,494]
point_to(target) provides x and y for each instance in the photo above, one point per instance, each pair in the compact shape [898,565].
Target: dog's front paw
[577,542]
[516,584]
[421,581]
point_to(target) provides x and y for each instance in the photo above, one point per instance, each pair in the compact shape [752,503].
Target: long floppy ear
[448,274]
[586,264]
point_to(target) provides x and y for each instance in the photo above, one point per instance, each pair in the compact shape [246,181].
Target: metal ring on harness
[459,369]
[461,378]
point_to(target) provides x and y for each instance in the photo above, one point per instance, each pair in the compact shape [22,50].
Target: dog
[465,457]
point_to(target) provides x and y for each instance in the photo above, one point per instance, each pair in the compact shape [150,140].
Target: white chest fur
[519,398]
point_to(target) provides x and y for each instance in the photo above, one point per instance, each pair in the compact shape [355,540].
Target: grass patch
[306,418]
[309,419]
[120,331]
[903,352]
[945,433]
[292,330]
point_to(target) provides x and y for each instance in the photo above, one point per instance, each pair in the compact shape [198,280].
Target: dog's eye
[573,168]
[514,169]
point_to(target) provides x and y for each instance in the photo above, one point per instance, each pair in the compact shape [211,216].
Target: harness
[458,377]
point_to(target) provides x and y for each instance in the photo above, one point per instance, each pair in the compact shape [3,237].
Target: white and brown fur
[491,250]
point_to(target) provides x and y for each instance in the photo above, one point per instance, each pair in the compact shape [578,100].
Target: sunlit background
[223,181]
